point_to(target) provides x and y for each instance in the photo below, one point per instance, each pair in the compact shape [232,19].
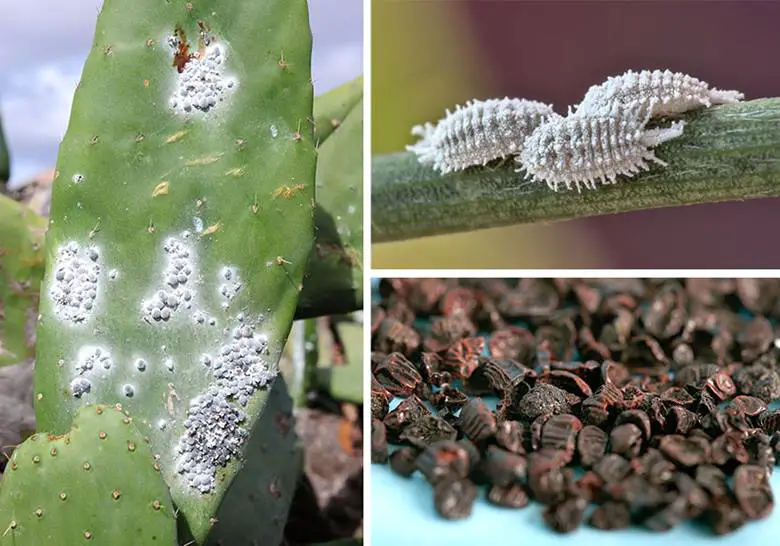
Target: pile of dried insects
[646,398]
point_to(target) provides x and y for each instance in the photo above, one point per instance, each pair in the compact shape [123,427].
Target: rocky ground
[329,502]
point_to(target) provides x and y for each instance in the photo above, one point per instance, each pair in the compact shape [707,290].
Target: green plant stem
[727,153]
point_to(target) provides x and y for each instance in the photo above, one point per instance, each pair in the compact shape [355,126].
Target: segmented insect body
[579,150]
[478,133]
[664,91]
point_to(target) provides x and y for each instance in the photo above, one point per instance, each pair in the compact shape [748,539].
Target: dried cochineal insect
[478,133]
[581,150]
[477,422]
[454,499]
[663,91]
[661,440]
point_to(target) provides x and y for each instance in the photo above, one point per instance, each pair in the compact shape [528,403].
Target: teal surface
[402,514]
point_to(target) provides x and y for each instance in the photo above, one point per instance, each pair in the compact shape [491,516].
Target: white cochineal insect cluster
[663,91]
[230,285]
[89,362]
[74,288]
[213,437]
[478,133]
[202,83]
[601,139]
[174,292]
[235,363]
[240,368]
[577,150]
[213,433]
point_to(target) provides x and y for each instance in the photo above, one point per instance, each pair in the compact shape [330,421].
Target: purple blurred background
[561,48]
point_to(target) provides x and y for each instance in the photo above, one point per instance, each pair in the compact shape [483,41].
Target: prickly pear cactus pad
[97,484]
[334,280]
[331,108]
[181,224]
[21,270]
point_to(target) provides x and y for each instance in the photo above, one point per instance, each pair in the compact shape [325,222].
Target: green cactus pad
[346,381]
[331,108]
[98,484]
[334,280]
[21,270]
[181,224]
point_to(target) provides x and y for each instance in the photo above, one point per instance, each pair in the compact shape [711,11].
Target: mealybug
[664,91]
[478,133]
[578,150]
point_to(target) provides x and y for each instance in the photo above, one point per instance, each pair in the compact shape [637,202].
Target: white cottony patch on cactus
[213,436]
[78,178]
[90,358]
[74,287]
[80,386]
[240,368]
[89,361]
[231,284]
[175,293]
[274,131]
[202,83]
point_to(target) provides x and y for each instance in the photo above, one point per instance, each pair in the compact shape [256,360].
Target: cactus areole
[175,261]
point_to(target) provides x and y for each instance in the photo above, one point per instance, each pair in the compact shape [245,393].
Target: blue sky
[44,44]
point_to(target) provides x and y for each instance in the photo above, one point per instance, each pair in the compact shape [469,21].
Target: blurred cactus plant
[5,159]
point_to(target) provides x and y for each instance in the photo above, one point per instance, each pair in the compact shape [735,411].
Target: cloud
[43,51]
[335,66]
[45,31]
[36,109]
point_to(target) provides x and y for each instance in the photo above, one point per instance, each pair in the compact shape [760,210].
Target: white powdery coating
[663,91]
[213,436]
[92,357]
[202,84]
[75,284]
[88,360]
[580,150]
[240,368]
[80,386]
[212,433]
[231,284]
[174,294]
[478,133]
